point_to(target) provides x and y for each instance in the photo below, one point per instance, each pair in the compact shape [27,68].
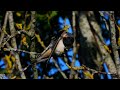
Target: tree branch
[74,44]
[32,47]
[14,44]
[113,42]
[4,28]
[105,55]
[58,68]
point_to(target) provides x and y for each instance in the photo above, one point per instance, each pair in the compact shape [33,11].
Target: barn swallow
[65,41]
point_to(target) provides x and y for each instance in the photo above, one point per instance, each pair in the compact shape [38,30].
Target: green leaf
[53,13]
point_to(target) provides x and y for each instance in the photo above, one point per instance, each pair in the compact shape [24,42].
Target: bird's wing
[50,49]
[46,53]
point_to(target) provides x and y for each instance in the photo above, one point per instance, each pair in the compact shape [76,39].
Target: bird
[57,46]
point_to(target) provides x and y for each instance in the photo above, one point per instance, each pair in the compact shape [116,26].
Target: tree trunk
[92,52]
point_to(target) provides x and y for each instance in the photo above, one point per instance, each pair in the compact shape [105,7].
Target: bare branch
[74,44]
[18,50]
[62,73]
[32,47]
[83,67]
[14,44]
[113,42]
[4,28]
[105,54]
[11,36]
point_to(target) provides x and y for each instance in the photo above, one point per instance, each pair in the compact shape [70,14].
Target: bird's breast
[60,48]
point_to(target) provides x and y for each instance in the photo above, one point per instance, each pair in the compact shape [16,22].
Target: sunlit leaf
[28,27]
[27,15]
[9,63]
[24,41]
[53,13]
[19,25]
[118,28]
[18,14]
[118,41]
[107,48]
[88,74]
[39,40]
[13,58]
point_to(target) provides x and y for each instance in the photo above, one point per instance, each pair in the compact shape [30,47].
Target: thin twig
[83,67]
[74,44]
[11,36]
[58,68]
[25,20]
[18,50]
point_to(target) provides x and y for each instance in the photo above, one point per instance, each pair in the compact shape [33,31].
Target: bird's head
[65,43]
[68,40]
